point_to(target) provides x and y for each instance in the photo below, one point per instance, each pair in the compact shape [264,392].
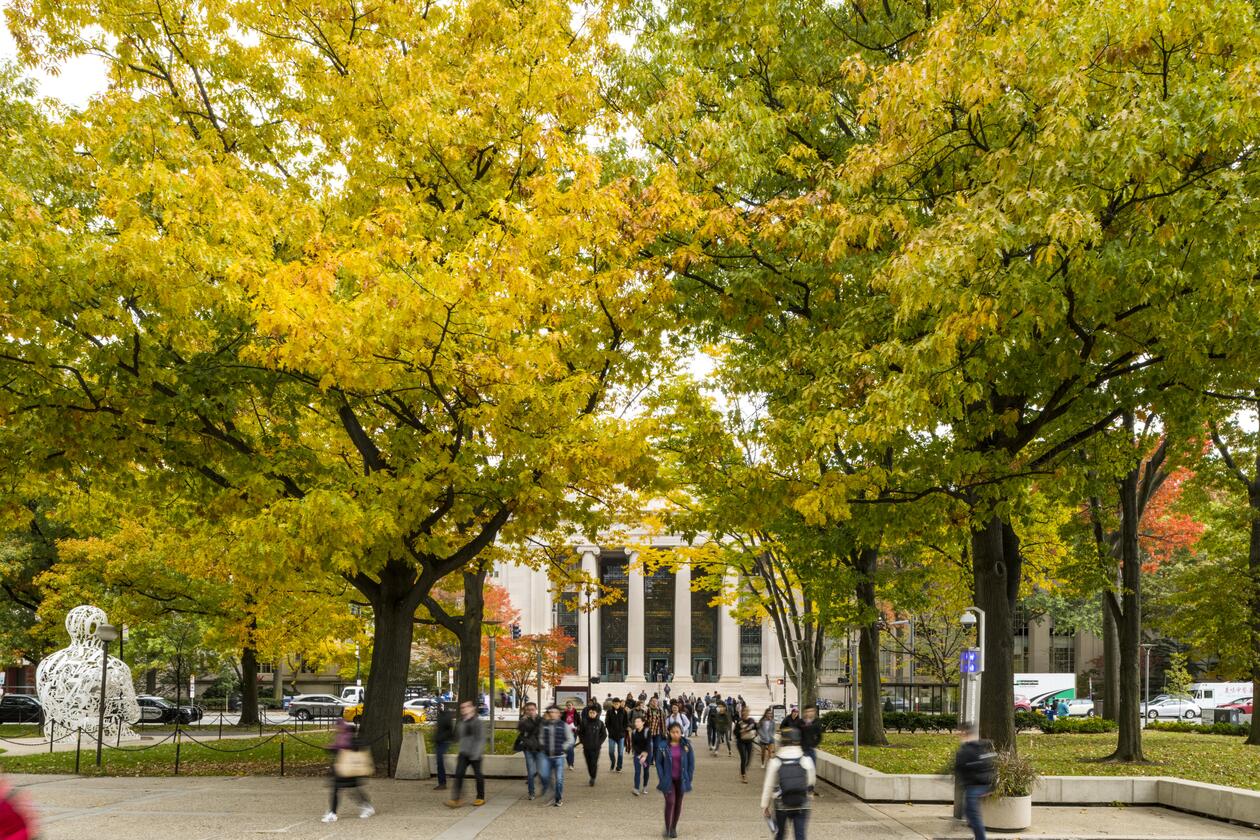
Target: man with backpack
[785,791]
[555,740]
[974,769]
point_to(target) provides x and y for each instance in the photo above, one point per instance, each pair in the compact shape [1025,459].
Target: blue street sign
[969,661]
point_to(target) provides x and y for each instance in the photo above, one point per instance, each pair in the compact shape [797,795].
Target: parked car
[311,706]
[1081,707]
[20,708]
[160,710]
[1173,707]
[1022,703]
[156,710]
[1243,705]
[354,713]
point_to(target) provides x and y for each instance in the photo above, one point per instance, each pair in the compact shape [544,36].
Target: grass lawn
[253,758]
[1218,759]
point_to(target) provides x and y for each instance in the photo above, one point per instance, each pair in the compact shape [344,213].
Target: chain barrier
[179,734]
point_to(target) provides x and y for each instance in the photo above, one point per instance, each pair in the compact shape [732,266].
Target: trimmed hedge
[1078,726]
[842,721]
[1240,729]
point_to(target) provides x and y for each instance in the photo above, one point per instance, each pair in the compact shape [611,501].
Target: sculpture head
[81,624]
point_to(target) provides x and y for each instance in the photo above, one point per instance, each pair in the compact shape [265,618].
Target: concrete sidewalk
[719,808]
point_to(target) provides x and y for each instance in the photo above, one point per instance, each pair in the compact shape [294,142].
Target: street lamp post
[106,633]
[853,691]
[1146,693]
[491,630]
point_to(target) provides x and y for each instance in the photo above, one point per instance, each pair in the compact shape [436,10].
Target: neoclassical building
[657,625]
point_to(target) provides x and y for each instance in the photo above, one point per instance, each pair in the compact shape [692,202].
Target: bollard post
[281,754]
[178,740]
[220,726]
[52,736]
[78,746]
[389,753]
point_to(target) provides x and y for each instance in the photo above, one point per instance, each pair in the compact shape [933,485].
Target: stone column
[588,641]
[728,635]
[682,624]
[635,653]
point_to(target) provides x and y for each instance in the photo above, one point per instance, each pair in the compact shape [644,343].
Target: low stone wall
[1217,801]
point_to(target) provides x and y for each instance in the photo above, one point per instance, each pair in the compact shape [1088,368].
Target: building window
[1020,654]
[704,630]
[750,650]
[658,621]
[1062,651]
[613,627]
[567,620]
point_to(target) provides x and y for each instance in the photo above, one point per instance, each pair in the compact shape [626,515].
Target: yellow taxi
[354,714]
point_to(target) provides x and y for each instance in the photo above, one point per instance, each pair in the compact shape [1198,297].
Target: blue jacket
[665,767]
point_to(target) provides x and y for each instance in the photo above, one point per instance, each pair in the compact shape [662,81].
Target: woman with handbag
[350,766]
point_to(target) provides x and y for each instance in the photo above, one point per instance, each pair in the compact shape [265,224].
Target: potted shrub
[1009,806]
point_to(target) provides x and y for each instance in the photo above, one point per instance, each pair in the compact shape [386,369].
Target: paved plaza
[720,808]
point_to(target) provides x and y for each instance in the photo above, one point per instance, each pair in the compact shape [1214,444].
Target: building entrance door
[702,668]
[615,668]
[657,669]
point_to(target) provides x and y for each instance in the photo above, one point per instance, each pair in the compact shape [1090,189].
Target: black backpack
[793,784]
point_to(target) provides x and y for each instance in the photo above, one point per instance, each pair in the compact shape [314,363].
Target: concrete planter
[1007,813]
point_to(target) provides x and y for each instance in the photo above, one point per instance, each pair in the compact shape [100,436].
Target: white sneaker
[367,811]
[331,816]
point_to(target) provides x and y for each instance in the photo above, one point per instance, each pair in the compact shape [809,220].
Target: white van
[1209,695]
[352,694]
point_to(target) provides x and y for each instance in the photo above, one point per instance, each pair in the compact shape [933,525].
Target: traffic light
[516,630]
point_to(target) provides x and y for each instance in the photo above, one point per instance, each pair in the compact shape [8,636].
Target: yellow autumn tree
[358,279]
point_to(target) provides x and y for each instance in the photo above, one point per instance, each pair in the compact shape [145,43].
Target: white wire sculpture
[69,683]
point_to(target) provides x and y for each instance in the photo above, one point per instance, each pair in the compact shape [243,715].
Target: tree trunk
[394,600]
[150,681]
[469,676]
[277,682]
[249,687]
[1111,660]
[871,724]
[1253,577]
[1129,740]
[807,674]
[997,568]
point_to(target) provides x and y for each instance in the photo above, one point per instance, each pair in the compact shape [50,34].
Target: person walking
[697,710]
[592,733]
[528,728]
[765,736]
[675,766]
[570,717]
[973,768]
[792,721]
[745,735]
[350,766]
[723,725]
[443,735]
[642,696]
[555,741]
[811,737]
[472,744]
[785,790]
[678,716]
[655,726]
[640,754]
[617,721]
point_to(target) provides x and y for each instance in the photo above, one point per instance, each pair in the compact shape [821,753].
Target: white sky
[74,84]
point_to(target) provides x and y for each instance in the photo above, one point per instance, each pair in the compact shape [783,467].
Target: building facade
[657,626]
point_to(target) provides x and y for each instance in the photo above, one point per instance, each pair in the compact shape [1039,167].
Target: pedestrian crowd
[653,736]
